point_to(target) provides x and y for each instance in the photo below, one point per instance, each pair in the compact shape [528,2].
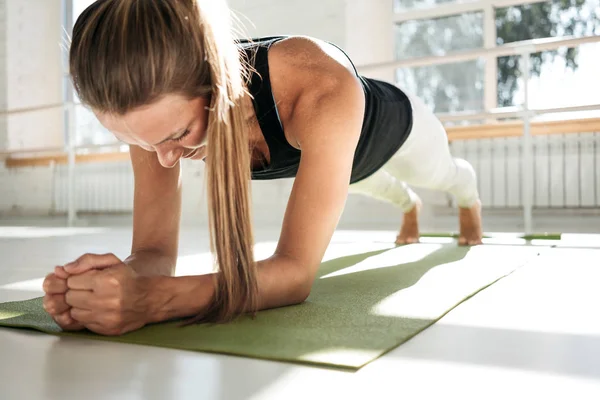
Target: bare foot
[409,232]
[470,225]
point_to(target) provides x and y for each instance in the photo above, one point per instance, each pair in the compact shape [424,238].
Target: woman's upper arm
[326,124]
[157,204]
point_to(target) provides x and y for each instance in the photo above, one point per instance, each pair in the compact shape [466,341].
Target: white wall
[318,18]
[369,34]
[3,63]
[26,191]
[34,53]
[33,73]
[33,78]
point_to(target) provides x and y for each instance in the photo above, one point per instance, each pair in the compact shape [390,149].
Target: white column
[491,64]
[3,80]
[30,83]
[527,159]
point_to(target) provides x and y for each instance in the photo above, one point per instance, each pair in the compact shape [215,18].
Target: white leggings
[424,161]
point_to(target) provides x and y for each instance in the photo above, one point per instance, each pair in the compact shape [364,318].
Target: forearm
[151,263]
[280,281]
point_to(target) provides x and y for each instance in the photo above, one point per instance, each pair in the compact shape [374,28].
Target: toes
[407,240]
[462,241]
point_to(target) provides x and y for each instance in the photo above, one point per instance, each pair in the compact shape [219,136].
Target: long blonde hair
[129,53]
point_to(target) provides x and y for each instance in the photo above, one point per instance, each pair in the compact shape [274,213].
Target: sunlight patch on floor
[30,232]
[580,240]
[390,258]
[450,281]
[32,285]
[540,298]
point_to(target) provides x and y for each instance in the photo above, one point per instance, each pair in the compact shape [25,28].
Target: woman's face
[173,127]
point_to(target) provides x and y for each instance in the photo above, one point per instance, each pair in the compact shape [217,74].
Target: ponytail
[227,171]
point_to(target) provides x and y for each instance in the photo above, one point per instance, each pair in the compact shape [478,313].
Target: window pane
[79,6]
[446,88]
[509,81]
[403,5]
[438,36]
[564,78]
[548,19]
[88,130]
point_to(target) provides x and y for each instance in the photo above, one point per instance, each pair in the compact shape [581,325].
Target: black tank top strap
[284,158]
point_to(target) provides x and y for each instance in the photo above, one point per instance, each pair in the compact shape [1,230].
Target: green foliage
[540,20]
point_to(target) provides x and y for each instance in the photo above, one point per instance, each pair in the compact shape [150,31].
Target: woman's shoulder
[311,55]
[305,67]
[306,73]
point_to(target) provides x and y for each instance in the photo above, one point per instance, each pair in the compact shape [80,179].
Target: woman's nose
[168,158]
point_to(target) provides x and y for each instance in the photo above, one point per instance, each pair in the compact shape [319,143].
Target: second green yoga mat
[361,306]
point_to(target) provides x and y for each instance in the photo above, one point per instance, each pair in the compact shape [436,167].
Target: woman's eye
[180,138]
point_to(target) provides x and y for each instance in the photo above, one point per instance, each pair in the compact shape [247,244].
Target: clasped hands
[96,292]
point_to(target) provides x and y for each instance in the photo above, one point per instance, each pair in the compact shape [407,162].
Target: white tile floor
[532,335]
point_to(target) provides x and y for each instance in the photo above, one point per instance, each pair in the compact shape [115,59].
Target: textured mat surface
[361,306]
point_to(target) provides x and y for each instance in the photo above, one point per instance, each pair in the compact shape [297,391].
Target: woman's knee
[465,168]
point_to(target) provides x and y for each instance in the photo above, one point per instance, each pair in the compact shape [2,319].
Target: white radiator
[566,170]
[102,188]
[566,175]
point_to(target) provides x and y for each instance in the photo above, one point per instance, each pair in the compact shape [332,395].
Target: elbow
[300,294]
[302,286]
[297,282]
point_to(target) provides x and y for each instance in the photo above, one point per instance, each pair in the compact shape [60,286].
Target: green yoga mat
[361,306]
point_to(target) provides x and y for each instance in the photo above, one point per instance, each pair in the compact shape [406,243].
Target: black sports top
[386,125]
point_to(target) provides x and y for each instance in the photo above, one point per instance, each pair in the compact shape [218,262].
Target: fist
[105,295]
[55,288]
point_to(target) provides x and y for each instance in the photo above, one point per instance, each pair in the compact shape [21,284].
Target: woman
[167,78]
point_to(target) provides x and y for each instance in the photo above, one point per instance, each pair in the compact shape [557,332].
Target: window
[556,82]
[88,130]
[439,36]
[558,78]
[446,88]
[547,19]
[79,6]
[449,87]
